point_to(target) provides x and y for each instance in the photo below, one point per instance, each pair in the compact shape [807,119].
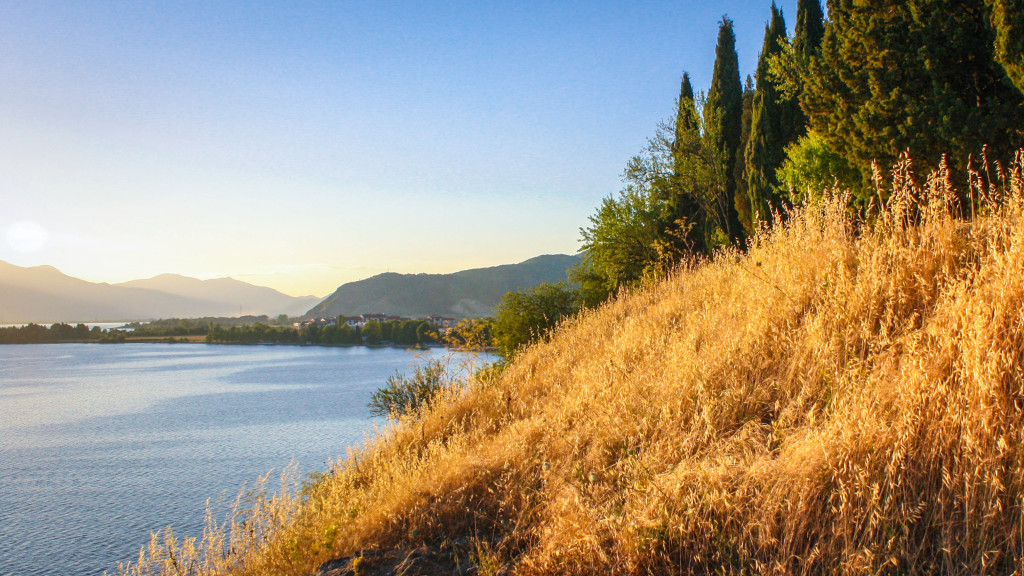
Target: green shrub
[403,394]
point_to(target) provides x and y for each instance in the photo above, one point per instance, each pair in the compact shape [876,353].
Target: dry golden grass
[842,398]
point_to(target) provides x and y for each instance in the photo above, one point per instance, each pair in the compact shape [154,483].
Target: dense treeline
[243,330]
[39,334]
[199,326]
[397,332]
[832,106]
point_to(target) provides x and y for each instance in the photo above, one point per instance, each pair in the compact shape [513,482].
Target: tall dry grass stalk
[842,398]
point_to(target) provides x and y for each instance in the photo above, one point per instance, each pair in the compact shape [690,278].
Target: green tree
[388,329]
[1008,22]
[791,64]
[344,334]
[525,316]
[742,197]
[771,126]
[917,75]
[701,219]
[684,206]
[425,333]
[811,167]
[371,332]
[470,333]
[723,119]
[621,245]
[695,216]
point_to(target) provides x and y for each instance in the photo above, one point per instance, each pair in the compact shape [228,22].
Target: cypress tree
[687,123]
[686,114]
[742,199]
[894,75]
[683,209]
[807,37]
[723,120]
[771,126]
[810,28]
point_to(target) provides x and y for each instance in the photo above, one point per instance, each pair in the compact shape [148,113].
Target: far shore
[201,339]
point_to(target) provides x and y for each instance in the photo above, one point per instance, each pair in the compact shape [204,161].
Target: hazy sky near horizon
[301,145]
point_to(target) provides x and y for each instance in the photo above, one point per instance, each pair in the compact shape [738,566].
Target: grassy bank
[842,398]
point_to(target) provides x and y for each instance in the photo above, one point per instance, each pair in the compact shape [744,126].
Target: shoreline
[202,340]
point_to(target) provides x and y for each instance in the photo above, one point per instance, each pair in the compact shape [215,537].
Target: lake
[102,444]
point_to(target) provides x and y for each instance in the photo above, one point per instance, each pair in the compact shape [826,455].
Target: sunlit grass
[843,397]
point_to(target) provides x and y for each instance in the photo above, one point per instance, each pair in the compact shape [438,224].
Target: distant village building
[442,321]
[315,322]
[362,319]
[359,321]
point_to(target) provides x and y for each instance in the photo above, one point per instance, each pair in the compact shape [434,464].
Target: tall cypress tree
[771,126]
[810,28]
[686,115]
[807,37]
[894,75]
[686,221]
[723,120]
[742,199]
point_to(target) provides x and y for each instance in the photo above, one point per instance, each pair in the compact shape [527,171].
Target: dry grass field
[843,397]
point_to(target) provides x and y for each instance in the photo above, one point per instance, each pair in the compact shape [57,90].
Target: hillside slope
[835,401]
[465,294]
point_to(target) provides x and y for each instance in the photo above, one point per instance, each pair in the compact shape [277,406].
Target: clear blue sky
[301,145]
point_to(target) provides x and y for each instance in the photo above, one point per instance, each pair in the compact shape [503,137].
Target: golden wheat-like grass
[841,398]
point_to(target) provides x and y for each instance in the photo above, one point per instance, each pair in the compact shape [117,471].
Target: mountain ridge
[44,294]
[466,294]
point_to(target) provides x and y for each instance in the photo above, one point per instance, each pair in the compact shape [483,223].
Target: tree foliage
[525,316]
[1008,22]
[471,333]
[917,75]
[696,215]
[684,208]
[810,29]
[723,121]
[811,167]
[621,244]
[59,332]
[773,126]
[742,196]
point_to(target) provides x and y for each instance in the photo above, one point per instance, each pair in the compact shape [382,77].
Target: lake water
[102,444]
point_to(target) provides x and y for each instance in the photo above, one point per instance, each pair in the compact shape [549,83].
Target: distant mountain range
[43,294]
[465,294]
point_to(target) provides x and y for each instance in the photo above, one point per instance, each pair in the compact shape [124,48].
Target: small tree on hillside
[523,317]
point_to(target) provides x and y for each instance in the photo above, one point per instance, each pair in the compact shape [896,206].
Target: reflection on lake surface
[99,445]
